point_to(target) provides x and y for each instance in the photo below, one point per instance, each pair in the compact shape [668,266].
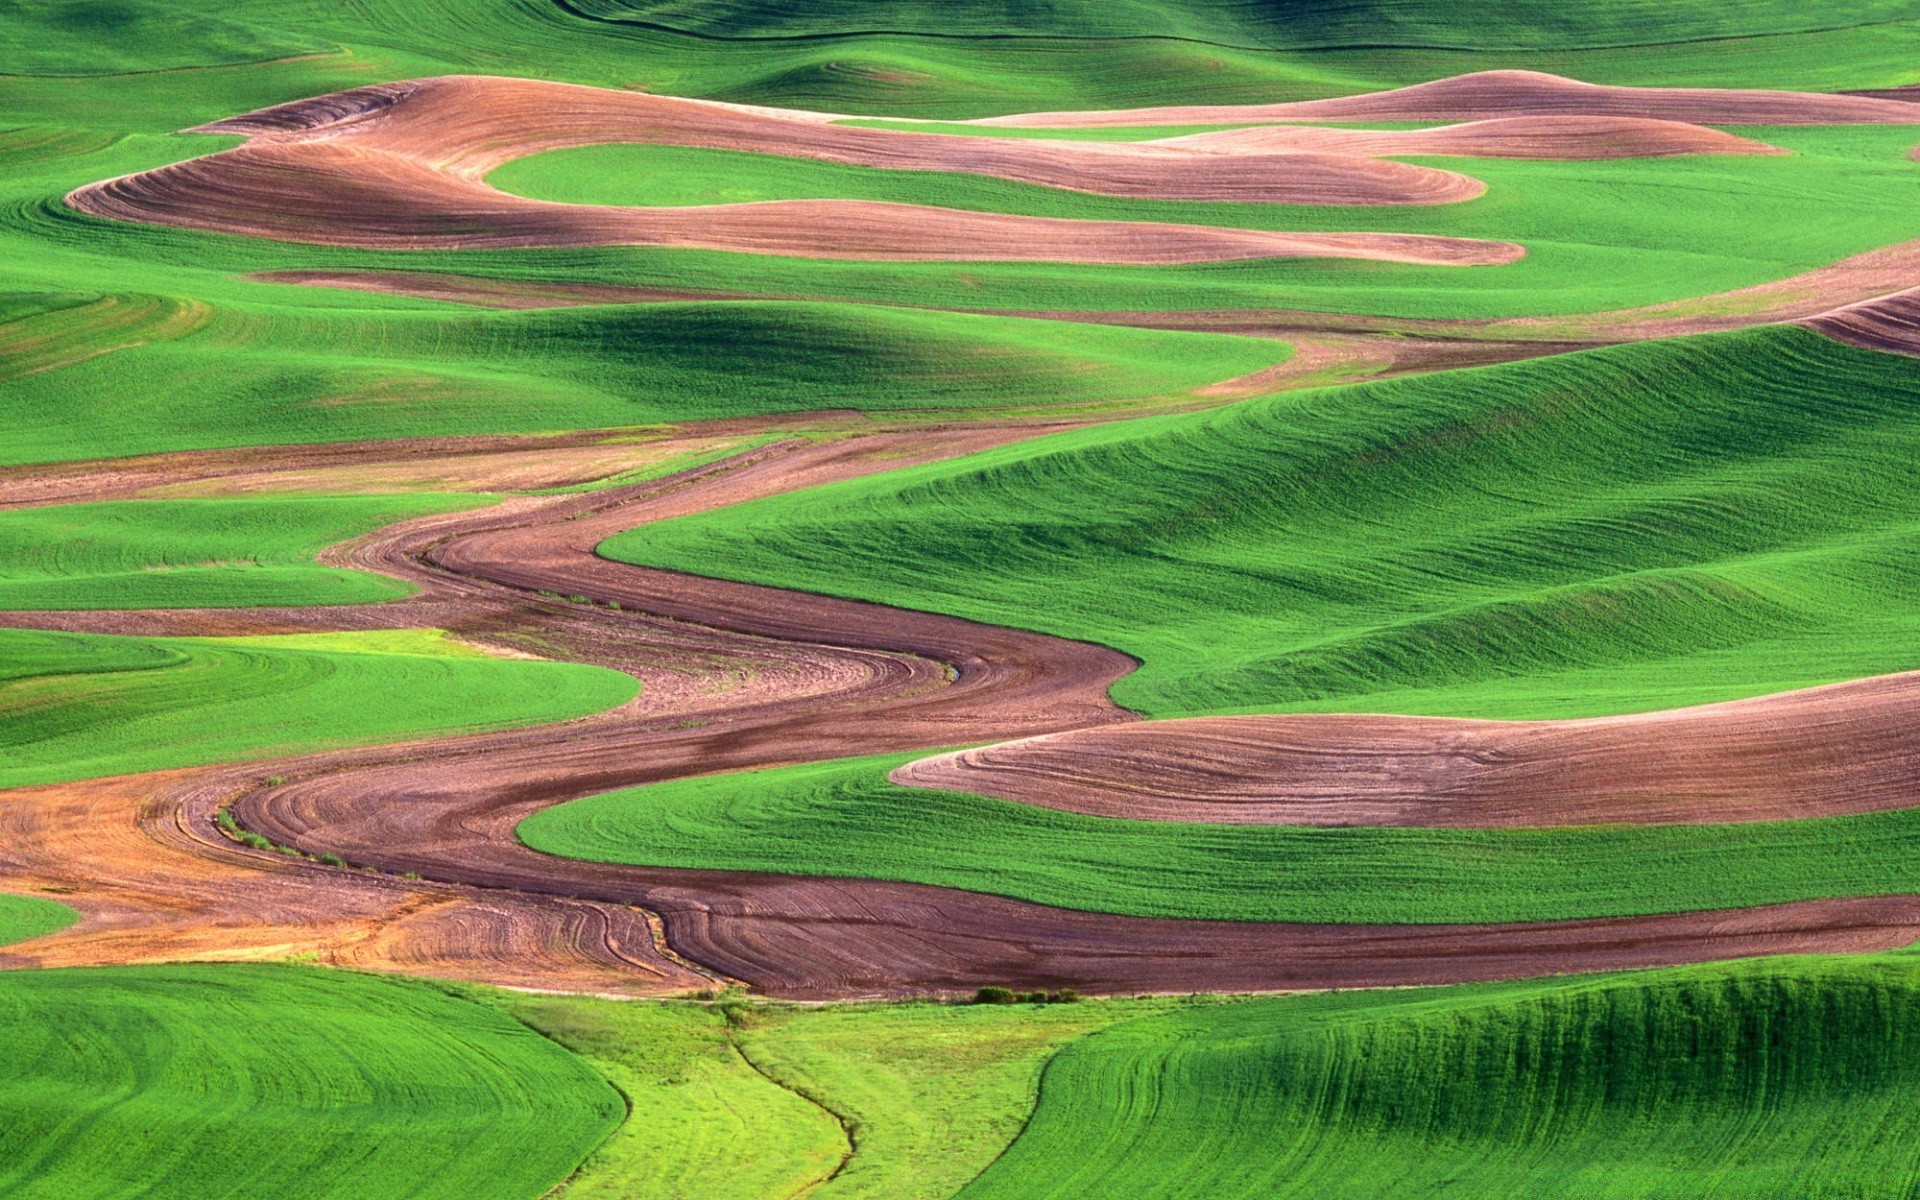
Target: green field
[77,706]
[23,917]
[198,553]
[1793,1077]
[1626,529]
[843,818]
[221,1081]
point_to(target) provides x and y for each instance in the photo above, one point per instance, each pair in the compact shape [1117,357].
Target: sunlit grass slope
[1624,529]
[1791,1077]
[843,818]
[75,706]
[283,375]
[741,1101]
[1599,235]
[221,1081]
[198,553]
[23,917]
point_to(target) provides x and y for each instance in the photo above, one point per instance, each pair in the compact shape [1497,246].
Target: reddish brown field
[1846,748]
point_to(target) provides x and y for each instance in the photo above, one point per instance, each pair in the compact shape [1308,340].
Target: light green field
[1626,529]
[738,1101]
[843,818]
[1791,1077]
[23,917]
[222,1081]
[77,706]
[198,553]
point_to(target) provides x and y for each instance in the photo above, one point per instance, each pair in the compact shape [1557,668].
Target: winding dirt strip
[737,676]
[402,166]
[1846,748]
[1486,95]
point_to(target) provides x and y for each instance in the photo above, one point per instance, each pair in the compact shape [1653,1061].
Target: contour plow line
[811,677]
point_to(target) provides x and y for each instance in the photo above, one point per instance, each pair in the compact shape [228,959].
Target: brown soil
[1889,323]
[1847,748]
[1487,95]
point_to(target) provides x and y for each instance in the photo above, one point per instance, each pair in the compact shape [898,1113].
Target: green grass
[78,706]
[1599,235]
[288,376]
[739,1101]
[198,553]
[1792,1077]
[221,1081]
[23,917]
[1625,529]
[843,818]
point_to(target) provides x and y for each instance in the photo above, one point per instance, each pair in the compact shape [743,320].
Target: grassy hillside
[258,375]
[220,1081]
[23,917]
[1784,1078]
[843,818]
[76,706]
[1624,529]
[198,553]
[1503,25]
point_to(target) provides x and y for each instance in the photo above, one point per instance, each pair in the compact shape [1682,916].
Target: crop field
[211,1081]
[80,705]
[891,600]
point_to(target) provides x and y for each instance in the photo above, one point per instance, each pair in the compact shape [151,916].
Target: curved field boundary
[1846,748]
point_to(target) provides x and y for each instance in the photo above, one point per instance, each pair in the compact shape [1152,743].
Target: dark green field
[668,930]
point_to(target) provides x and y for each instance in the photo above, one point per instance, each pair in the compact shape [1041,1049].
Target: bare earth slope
[403,166]
[1847,748]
